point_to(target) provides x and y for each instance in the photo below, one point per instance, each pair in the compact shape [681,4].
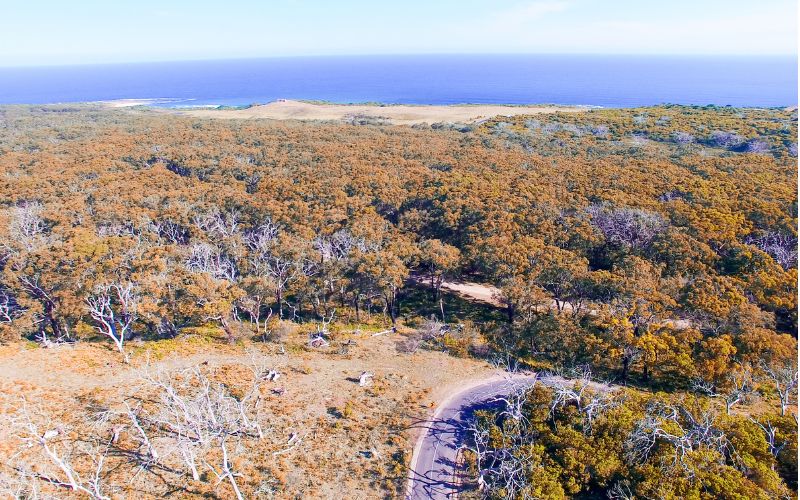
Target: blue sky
[35,32]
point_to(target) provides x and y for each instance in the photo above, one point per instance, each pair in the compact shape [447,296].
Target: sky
[47,32]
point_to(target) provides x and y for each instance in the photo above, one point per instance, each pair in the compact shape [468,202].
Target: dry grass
[356,440]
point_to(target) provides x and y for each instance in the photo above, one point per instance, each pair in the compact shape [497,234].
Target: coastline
[132,102]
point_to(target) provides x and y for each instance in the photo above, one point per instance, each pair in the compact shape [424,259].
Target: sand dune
[396,114]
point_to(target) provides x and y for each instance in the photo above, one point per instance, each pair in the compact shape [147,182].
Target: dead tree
[199,421]
[590,403]
[280,270]
[27,226]
[621,491]
[252,305]
[9,307]
[209,259]
[501,468]
[782,247]
[41,293]
[48,456]
[115,307]
[770,435]
[504,468]
[784,378]
[171,231]
[740,388]
[320,337]
[628,227]
[682,430]
[217,224]
[263,238]
[514,401]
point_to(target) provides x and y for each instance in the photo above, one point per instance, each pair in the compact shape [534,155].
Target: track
[435,470]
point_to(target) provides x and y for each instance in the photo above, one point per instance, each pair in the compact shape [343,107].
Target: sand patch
[395,114]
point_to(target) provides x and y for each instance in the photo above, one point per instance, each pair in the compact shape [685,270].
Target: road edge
[443,404]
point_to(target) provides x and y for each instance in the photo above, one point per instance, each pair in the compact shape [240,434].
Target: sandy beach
[129,103]
[396,114]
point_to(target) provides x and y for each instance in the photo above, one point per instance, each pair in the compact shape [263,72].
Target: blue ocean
[608,81]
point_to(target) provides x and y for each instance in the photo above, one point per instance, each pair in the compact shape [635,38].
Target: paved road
[435,472]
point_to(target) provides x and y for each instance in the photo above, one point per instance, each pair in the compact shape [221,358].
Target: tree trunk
[626,362]
[390,306]
[226,327]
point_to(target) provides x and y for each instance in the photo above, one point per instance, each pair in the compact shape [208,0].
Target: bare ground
[356,439]
[395,114]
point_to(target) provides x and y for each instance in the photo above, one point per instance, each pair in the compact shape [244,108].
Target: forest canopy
[657,246]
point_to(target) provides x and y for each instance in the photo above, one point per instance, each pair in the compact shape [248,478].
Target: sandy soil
[317,384]
[129,103]
[399,115]
[476,291]
[488,294]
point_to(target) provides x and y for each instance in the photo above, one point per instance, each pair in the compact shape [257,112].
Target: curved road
[435,471]
[434,466]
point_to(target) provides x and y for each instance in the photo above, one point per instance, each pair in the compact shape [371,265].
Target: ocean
[608,81]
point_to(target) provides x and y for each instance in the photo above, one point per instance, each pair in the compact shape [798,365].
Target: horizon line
[398,54]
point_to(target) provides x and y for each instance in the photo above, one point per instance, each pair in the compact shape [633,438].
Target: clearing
[394,114]
[355,440]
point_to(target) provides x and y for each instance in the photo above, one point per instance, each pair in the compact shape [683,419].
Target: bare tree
[263,238]
[9,308]
[339,245]
[681,429]
[514,401]
[27,226]
[600,131]
[320,337]
[206,258]
[589,402]
[629,227]
[253,304]
[503,468]
[115,307]
[171,231]
[37,290]
[621,491]
[739,389]
[281,269]
[770,435]
[722,139]
[780,246]
[217,224]
[784,378]
[199,421]
[683,138]
[117,229]
[756,146]
[54,457]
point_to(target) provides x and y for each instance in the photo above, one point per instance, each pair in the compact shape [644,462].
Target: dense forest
[655,247]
